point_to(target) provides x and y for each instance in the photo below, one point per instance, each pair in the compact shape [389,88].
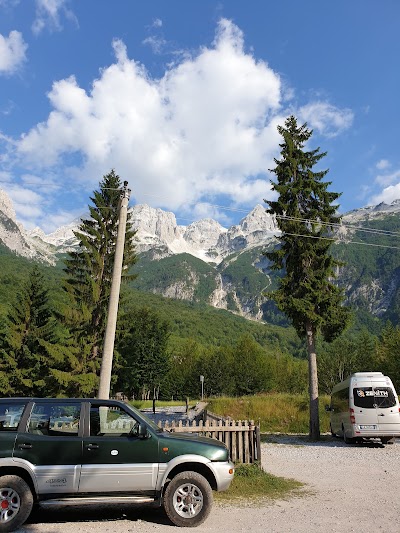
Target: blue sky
[182,99]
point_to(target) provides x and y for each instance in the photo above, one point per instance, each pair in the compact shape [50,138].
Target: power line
[376,231]
[338,241]
[372,231]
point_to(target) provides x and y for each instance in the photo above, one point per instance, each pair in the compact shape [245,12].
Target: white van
[365,406]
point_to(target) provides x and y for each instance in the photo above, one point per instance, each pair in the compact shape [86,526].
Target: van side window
[340,400]
[373,397]
[10,415]
[61,419]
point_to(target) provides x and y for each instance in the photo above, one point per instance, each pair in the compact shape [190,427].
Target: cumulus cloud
[327,119]
[12,52]
[388,194]
[387,178]
[206,129]
[49,14]
[28,204]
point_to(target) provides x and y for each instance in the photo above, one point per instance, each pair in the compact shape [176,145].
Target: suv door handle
[25,446]
[92,446]
[381,414]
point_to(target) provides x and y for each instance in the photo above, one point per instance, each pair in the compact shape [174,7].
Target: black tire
[347,440]
[387,440]
[332,432]
[188,499]
[16,502]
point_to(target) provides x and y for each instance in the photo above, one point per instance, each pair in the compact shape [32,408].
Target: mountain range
[225,267]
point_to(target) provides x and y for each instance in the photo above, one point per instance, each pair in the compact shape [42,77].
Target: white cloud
[387,179]
[327,119]
[206,129]
[157,23]
[28,204]
[383,164]
[49,14]
[12,52]
[156,43]
[388,195]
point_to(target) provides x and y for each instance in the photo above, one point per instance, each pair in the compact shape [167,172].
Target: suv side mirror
[142,431]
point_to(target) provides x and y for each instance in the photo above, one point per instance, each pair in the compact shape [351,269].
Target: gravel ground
[348,488]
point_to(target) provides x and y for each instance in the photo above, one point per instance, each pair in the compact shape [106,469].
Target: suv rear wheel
[16,502]
[188,499]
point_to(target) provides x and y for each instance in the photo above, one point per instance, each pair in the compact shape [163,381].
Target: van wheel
[387,440]
[16,502]
[347,440]
[188,499]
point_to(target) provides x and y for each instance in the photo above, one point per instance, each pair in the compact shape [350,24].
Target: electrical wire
[372,231]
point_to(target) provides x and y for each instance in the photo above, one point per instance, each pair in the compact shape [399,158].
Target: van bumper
[223,472]
[391,430]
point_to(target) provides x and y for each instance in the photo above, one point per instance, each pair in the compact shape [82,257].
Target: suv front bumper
[224,472]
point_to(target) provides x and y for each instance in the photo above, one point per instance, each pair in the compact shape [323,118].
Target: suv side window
[10,415]
[60,419]
[111,421]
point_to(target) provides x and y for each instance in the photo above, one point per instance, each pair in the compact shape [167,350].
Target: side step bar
[98,500]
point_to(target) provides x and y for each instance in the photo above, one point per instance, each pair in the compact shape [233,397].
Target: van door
[387,410]
[365,410]
[376,409]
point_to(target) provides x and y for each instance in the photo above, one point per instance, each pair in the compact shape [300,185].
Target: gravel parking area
[348,488]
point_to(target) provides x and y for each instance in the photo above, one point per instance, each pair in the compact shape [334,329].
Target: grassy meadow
[277,413]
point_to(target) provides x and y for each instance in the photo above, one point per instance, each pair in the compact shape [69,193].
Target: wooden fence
[242,437]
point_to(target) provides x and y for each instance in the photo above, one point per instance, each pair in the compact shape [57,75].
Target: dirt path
[349,488]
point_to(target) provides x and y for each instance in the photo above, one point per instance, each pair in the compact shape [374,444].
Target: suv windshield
[372,397]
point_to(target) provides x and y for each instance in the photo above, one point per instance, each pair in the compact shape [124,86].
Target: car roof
[59,400]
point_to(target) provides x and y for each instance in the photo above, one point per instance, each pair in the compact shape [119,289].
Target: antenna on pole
[109,338]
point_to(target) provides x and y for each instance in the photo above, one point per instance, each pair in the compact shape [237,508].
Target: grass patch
[253,483]
[277,412]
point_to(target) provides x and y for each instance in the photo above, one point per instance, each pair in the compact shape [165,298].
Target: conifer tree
[89,274]
[143,352]
[305,212]
[34,351]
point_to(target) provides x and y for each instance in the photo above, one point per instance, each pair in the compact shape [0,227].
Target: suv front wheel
[16,502]
[188,499]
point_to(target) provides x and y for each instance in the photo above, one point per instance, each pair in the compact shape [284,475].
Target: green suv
[67,451]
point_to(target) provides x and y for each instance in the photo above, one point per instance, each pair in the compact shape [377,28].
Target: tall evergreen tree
[34,351]
[305,211]
[143,353]
[89,274]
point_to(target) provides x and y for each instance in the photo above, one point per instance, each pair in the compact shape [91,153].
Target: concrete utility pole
[109,338]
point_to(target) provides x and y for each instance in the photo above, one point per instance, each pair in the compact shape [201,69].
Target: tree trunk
[313,384]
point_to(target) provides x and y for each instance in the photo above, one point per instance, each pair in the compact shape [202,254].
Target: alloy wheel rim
[10,504]
[188,500]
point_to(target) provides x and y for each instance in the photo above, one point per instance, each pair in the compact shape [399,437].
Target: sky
[183,100]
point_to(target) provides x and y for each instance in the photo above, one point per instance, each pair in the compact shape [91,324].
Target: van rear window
[372,397]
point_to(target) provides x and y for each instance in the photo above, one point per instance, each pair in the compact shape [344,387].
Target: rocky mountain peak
[6,206]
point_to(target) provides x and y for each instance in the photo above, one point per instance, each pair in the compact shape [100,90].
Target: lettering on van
[376,393]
